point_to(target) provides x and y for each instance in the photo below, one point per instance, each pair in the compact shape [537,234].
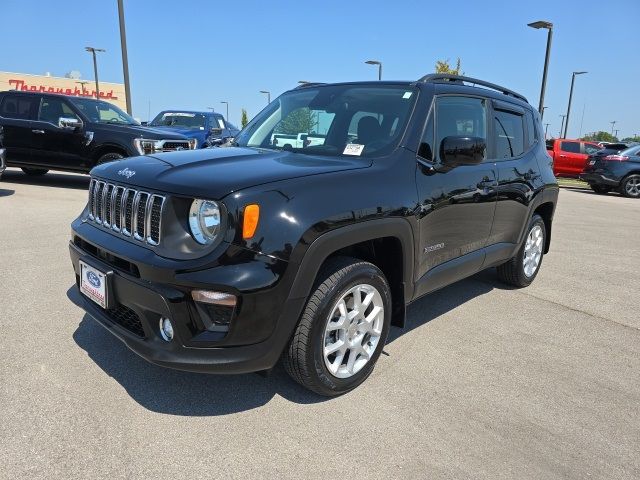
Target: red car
[570,156]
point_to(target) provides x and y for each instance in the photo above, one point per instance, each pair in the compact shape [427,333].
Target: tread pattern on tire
[294,357]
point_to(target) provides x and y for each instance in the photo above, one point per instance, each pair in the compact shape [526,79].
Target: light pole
[566,123]
[616,134]
[82,84]
[546,129]
[613,124]
[125,59]
[379,64]
[561,125]
[212,109]
[549,27]
[268,94]
[227,117]
[95,66]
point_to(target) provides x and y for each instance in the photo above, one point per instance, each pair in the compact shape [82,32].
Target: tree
[443,66]
[244,119]
[600,137]
[298,121]
[635,138]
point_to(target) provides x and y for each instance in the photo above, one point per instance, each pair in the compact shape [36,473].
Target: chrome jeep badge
[126,172]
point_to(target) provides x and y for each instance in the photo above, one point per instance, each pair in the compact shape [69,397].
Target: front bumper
[258,333]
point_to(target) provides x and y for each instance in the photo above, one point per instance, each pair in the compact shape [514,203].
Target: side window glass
[571,147]
[531,129]
[426,148]
[590,149]
[16,106]
[51,109]
[460,116]
[509,131]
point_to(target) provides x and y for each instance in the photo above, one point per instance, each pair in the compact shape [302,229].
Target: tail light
[616,158]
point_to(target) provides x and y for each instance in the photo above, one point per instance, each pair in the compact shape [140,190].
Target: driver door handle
[38,131]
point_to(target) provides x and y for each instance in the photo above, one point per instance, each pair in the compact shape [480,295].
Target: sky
[193,54]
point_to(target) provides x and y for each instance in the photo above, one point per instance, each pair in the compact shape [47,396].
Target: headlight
[204,221]
[146,146]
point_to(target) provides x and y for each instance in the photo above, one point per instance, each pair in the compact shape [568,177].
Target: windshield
[334,120]
[195,121]
[99,111]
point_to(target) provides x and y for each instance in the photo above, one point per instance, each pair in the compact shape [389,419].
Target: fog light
[166,329]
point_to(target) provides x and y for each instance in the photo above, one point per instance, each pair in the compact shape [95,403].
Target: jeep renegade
[228,259]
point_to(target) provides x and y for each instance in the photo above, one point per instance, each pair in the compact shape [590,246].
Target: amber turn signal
[250,220]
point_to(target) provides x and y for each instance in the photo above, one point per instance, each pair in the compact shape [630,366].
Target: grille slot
[127,318]
[129,212]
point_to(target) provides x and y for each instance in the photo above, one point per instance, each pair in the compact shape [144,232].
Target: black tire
[626,187]
[109,157]
[303,358]
[35,172]
[513,272]
[601,189]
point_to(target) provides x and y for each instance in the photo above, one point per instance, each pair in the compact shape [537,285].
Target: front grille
[127,318]
[129,212]
[170,146]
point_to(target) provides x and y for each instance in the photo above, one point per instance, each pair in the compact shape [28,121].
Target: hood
[216,172]
[142,131]
[187,132]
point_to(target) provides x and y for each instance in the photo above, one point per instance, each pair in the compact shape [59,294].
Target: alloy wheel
[533,251]
[353,330]
[632,186]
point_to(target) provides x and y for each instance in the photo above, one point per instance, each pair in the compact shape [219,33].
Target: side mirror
[456,151]
[69,122]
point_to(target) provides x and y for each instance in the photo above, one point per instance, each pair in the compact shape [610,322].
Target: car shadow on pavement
[196,394]
[4,192]
[51,179]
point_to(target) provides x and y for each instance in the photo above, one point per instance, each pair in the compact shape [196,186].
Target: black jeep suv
[44,131]
[225,260]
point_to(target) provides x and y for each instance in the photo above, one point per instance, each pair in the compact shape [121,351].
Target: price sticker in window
[353,149]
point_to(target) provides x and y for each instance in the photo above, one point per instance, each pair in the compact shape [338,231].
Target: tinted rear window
[17,106]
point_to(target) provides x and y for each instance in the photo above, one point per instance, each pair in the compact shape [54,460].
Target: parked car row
[604,166]
[44,131]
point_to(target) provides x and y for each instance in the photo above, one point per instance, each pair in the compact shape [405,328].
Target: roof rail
[447,77]
[309,84]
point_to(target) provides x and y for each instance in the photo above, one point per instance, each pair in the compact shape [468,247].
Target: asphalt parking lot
[485,382]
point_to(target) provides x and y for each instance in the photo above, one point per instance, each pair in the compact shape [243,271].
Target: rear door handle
[38,131]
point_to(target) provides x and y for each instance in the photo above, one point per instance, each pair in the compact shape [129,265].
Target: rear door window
[591,149]
[571,147]
[509,132]
[18,106]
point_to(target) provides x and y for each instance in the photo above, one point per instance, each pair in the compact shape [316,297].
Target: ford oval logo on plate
[93,279]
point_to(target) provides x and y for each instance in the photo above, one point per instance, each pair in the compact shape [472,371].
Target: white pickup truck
[302,140]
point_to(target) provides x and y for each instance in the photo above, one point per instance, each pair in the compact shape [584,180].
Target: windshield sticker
[353,149]
[179,114]
[407,95]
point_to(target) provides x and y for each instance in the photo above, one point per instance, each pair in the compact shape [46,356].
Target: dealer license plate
[93,284]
